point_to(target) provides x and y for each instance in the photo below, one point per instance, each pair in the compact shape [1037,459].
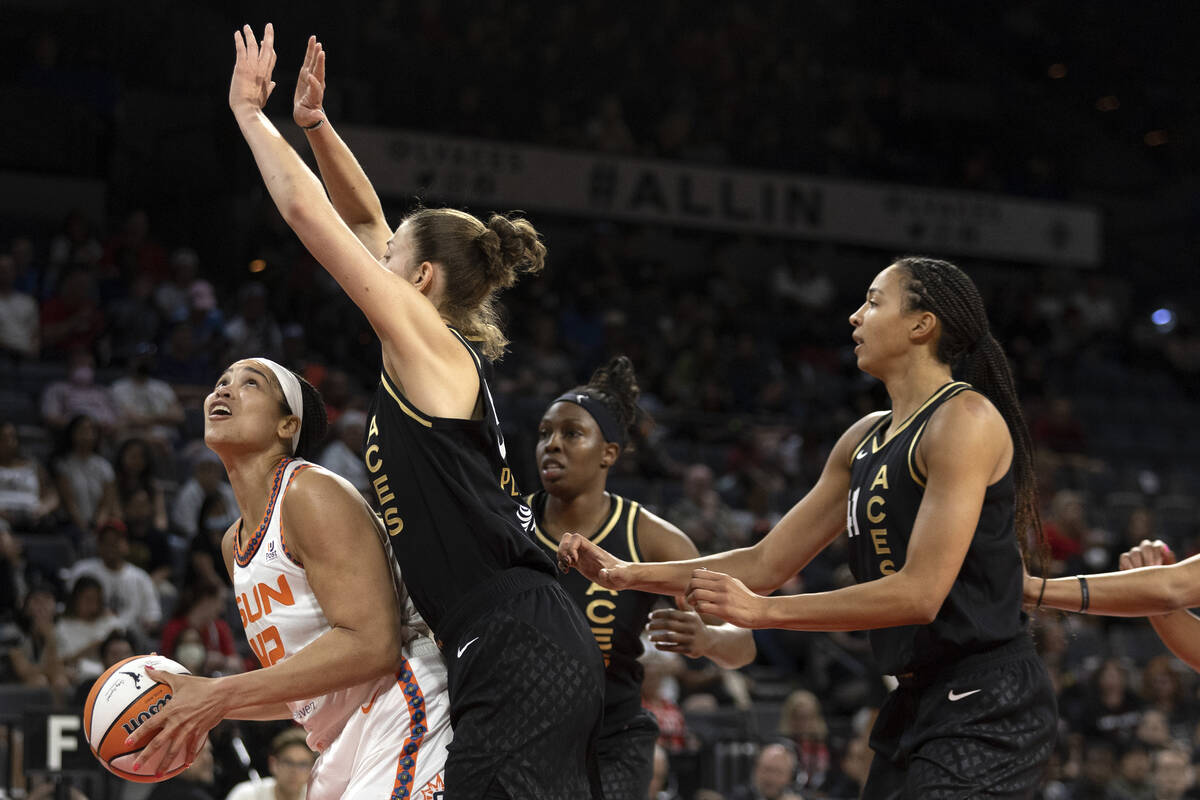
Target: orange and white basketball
[121,700]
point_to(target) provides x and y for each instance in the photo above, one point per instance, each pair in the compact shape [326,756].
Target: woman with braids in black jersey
[581,435]
[936,496]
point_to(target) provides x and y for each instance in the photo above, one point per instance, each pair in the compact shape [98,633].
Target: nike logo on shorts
[956,696]
[463,649]
[371,704]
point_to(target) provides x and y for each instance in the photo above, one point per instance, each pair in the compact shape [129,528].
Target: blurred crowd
[112,509]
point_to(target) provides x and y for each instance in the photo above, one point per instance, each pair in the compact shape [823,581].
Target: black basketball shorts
[983,727]
[526,684]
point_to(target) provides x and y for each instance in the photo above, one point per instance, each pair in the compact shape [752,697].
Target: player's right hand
[1147,554]
[251,84]
[307,108]
[595,563]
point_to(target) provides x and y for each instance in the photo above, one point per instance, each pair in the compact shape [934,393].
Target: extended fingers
[319,69]
[251,42]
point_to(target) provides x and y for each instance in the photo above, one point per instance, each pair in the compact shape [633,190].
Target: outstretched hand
[251,84]
[726,597]
[181,728]
[1147,554]
[595,563]
[307,108]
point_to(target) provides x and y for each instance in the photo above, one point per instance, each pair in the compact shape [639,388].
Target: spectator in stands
[1162,689]
[133,319]
[72,319]
[86,481]
[81,629]
[1173,774]
[208,477]
[147,406]
[772,779]
[79,394]
[33,657]
[703,515]
[290,763]
[847,781]
[658,693]
[1152,729]
[19,338]
[1132,781]
[150,547]
[1074,545]
[128,590]
[205,558]
[1097,771]
[136,471]
[134,251]
[117,646]
[343,454]
[201,604]
[28,498]
[74,246]
[186,363]
[1105,707]
[253,329]
[1058,431]
[173,295]
[803,724]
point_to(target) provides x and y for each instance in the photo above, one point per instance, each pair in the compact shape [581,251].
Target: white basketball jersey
[281,614]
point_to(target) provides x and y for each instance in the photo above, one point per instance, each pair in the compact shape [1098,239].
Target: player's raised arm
[409,327]
[349,188]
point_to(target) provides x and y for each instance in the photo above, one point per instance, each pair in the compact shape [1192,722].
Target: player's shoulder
[967,412]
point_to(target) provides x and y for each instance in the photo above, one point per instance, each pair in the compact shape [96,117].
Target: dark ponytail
[615,385]
[974,355]
[315,421]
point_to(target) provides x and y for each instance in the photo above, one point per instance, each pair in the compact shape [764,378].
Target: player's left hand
[251,84]
[182,726]
[726,597]
[674,631]
[1147,554]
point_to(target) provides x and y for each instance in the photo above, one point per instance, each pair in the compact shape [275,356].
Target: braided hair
[967,345]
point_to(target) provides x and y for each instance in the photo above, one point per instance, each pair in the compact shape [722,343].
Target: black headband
[609,429]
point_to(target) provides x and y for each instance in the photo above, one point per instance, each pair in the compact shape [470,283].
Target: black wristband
[1041,593]
[1083,594]
[314,126]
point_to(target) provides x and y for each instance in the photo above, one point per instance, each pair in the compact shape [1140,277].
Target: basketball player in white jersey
[343,654]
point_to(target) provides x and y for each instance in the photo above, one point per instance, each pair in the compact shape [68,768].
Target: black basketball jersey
[886,486]
[448,499]
[616,618]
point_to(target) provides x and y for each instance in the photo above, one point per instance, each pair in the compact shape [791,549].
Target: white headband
[291,392]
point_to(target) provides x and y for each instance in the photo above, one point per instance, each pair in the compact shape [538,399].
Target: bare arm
[803,532]
[334,535]
[1141,592]
[435,370]
[965,445]
[681,630]
[1179,630]
[353,197]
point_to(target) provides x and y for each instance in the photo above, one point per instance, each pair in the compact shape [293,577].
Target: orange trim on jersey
[282,539]
[244,554]
[406,765]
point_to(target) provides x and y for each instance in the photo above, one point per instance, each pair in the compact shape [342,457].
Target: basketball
[121,700]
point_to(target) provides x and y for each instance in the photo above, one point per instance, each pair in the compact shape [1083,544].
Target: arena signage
[491,175]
